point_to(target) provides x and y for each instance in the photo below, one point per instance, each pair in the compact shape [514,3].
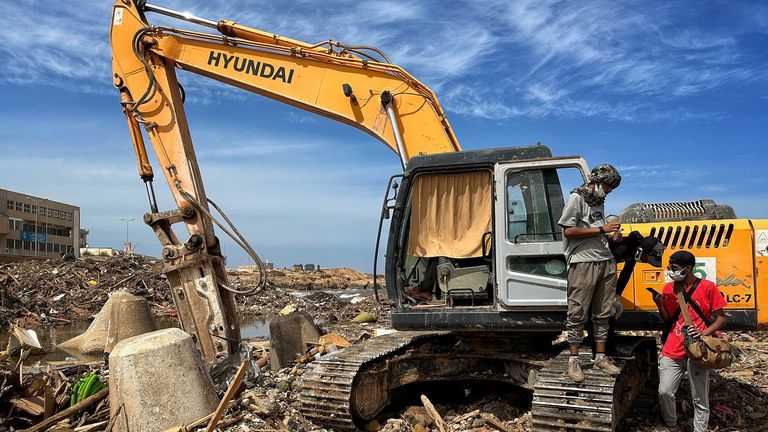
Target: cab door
[530,265]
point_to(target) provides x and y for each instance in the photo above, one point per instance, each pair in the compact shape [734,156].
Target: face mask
[599,192]
[676,276]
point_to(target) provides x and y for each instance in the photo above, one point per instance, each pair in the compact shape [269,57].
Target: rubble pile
[52,292]
[737,397]
[38,293]
[737,394]
[27,395]
[273,405]
[324,279]
[326,309]
[55,292]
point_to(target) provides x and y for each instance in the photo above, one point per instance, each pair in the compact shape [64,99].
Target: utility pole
[127,244]
[37,226]
[45,228]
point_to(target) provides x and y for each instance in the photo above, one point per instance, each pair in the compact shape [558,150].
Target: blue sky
[672,93]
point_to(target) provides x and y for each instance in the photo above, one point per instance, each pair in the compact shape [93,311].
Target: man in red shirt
[673,361]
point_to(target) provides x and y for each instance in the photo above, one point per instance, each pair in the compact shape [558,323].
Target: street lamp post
[36,237]
[126,230]
[45,241]
[37,227]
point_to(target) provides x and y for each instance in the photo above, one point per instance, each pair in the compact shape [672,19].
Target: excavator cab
[478,231]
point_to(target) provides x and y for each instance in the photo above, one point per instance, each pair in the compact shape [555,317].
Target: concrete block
[289,337]
[123,315]
[160,381]
[130,316]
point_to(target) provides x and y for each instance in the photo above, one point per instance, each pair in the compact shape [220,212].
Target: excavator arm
[339,82]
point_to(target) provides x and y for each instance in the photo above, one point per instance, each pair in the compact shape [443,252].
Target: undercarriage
[345,390]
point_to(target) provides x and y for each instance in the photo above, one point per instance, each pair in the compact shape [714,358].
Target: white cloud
[59,43]
[575,59]
[437,64]
[490,59]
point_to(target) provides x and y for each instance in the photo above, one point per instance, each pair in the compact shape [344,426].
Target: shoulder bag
[707,352]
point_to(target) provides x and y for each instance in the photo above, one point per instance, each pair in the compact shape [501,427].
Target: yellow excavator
[484,220]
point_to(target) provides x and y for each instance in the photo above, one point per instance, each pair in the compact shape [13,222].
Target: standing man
[673,361]
[591,267]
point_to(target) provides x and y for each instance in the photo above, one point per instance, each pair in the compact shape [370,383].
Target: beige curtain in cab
[449,214]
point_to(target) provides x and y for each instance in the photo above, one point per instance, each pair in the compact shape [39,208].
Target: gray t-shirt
[577,213]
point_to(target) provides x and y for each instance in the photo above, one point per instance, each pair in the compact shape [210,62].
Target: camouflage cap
[605,174]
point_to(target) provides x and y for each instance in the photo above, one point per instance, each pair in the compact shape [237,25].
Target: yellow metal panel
[725,247]
[315,85]
[761,265]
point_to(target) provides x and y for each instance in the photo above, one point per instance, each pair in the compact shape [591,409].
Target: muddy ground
[42,293]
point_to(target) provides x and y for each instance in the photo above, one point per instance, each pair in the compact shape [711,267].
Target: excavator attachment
[355,85]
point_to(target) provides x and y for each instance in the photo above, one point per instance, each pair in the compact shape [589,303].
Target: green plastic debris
[85,387]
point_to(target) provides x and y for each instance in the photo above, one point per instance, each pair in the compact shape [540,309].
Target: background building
[31,226]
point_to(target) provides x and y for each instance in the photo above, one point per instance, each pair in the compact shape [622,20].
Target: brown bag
[707,352]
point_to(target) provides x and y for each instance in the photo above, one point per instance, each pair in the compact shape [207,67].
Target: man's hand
[659,299]
[720,321]
[693,332]
[611,226]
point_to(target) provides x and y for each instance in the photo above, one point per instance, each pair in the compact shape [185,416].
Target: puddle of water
[49,337]
[253,327]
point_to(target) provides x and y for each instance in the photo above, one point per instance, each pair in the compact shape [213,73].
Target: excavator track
[328,396]
[344,390]
[600,401]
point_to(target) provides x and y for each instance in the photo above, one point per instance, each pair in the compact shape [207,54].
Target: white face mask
[599,192]
[676,276]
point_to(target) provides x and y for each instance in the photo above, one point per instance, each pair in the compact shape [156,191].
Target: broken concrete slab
[124,315]
[158,380]
[290,336]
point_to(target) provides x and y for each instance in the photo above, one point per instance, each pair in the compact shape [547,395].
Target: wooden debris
[228,395]
[186,428]
[495,423]
[461,418]
[323,346]
[333,339]
[92,426]
[45,424]
[31,405]
[113,420]
[49,402]
[439,423]
[230,421]
[263,360]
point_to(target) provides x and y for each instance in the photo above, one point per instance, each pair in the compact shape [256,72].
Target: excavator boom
[343,83]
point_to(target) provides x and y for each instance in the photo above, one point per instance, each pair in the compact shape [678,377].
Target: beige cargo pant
[590,284]
[670,374]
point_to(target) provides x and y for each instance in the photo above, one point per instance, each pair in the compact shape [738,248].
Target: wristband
[602,230]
